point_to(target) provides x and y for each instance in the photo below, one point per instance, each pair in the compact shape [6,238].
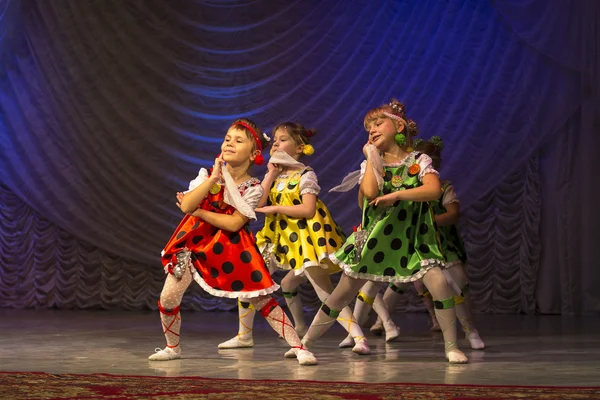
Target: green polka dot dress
[398,243]
[452,244]
[298,243]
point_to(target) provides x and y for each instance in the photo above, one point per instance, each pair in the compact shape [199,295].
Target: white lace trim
[426,265]
[309,184]
[198,180]
[451,264]
[426,165]
[449,196]
[232,295]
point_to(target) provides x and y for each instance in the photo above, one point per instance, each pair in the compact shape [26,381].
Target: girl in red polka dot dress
[213,244]
[299,234]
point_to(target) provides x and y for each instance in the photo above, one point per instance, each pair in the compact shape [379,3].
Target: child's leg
[426,296]
[168,305]
[463,311]
[246,313]
[321,282]
[273,313]
[443,298]
[289,284]
[341,296]
[390,298]
[391,330]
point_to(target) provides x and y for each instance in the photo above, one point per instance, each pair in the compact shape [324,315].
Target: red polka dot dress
[226,264]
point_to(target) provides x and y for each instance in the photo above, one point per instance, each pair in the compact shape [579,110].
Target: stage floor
[521,350]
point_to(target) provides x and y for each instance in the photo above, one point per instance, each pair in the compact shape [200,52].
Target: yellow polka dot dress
[298,243]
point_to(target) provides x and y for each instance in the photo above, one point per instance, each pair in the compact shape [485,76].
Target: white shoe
[377,328]
[347,342]
[165,354]
[454,355]
[362,347]
[237,343]
[304,356]
[475,341]
[392,332]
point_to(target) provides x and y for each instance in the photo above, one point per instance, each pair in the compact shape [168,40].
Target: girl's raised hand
[218,167]
[273,169]
[385,200]
[267,210]
[179,196]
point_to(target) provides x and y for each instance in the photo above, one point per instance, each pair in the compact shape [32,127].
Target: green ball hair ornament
[418,142]
[437,142]
[400,139]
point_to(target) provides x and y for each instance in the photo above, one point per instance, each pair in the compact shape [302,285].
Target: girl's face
[283,141]
[382,131]
[238,148]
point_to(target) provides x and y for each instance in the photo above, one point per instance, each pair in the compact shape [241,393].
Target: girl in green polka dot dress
[299,234]
[398,240]
[447,212]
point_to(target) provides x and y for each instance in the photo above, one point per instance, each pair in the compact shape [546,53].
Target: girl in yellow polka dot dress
[299,234]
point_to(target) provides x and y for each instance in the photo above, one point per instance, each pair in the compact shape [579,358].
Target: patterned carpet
[38,385]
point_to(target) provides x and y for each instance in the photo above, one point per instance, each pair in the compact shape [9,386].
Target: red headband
[259,159]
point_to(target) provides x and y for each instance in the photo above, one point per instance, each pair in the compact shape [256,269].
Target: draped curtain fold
[107,108]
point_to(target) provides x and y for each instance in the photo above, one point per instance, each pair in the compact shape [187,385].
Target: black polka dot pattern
[227,267]
[327,228]
[333,243]
[348,249]
[363,270]
[379,257]
[415,219]
[296,202]
[404,262]
[322,242]
[201,255]
[246,257]
[235,238]
[402,215]
[237,286]
[389,272]
[302,224]
[372,243]
[423,229]
[197,239]
[218,248]
[389,228]
[293,263]
[180,235]
[316,227]
[322,213]
[424,248]
[396,244]
[293,237]
[256,276]
[214,273]
[283,224]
